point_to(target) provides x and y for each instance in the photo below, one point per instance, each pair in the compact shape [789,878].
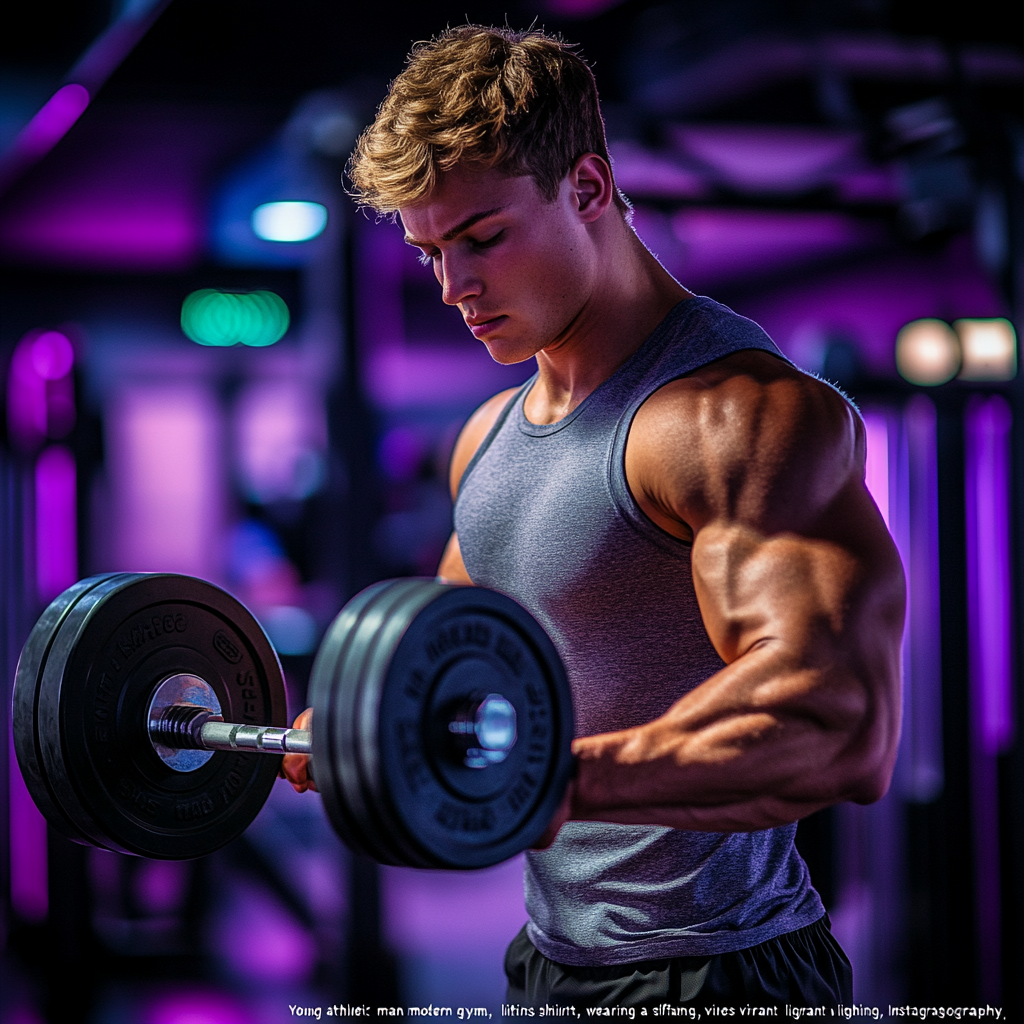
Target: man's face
[519,268]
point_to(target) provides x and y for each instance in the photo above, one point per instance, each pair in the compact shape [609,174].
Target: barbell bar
[484,730]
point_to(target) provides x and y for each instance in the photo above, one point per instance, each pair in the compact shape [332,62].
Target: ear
[593,188]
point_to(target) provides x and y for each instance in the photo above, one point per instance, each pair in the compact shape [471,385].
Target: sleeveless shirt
[545,515]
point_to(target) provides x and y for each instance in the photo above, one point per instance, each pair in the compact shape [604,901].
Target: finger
[295,769]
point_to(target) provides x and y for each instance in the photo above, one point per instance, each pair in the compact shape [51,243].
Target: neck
[631,294]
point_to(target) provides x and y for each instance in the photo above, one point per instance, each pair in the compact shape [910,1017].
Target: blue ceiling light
[252,201]
[289,221]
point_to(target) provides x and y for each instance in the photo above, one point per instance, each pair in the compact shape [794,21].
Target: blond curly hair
[523,102]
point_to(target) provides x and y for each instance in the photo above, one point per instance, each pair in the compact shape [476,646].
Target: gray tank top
[545,515]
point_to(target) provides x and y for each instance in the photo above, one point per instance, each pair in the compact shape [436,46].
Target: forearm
[763,742]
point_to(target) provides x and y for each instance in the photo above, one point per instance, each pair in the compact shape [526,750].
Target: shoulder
[472,435]
[747,437]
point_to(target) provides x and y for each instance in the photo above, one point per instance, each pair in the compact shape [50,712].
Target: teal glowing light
[212,317]
[291,221]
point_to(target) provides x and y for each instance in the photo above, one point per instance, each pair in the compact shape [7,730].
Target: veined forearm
[728,757]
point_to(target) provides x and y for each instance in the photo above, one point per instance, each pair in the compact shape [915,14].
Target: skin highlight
[757,465]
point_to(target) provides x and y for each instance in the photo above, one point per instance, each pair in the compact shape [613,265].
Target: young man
[683,510]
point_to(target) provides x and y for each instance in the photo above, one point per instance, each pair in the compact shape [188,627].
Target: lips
[480,325]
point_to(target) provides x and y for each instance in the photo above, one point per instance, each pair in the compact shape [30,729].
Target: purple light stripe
[111,47]
[93,230]
[581,8]
[26,397]
[29,890]
[56,522]
[923,774]
[988,565]
[53,121]
[69,102]
[987,424]
[195,1006]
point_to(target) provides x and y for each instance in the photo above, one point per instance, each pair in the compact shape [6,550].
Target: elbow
[868,758]
[871,788]
[873,759]
[857,782]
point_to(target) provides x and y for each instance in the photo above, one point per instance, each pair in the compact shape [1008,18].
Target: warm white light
[291,221]
[927,352]
[989,349]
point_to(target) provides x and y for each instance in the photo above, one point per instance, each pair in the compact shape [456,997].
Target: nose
[458,283]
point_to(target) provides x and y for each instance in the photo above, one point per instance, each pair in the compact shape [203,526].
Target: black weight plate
[25,702]
[337,684]
[403,654]
[394,608]
[327,692]
[114,646]
[473,641]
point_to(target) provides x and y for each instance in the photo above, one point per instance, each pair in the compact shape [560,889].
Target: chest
[537,512]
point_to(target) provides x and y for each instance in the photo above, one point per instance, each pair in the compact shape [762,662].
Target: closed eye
[488,242]
[427,258]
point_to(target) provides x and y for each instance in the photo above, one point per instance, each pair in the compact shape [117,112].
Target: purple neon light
[135,199]
[195,1006]
[876,469]
[917,534]
[53,121]
[581,8]
[56,522]
[26,397]
[987,425]
[40,392]
[29,891]
[145,233]
[68,103]
[52,355]
[987,468]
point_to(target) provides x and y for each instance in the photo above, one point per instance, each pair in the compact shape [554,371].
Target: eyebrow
[459,228]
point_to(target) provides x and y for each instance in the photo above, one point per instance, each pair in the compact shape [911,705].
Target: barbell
[440,737]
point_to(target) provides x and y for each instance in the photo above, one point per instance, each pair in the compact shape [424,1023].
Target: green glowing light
[212,317]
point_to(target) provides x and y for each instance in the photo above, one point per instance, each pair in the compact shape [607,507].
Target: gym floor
[835,171]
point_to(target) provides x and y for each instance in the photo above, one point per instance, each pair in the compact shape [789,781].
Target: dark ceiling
[270,50]
[212,79]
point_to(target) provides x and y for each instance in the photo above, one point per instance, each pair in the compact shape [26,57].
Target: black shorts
[802,968]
